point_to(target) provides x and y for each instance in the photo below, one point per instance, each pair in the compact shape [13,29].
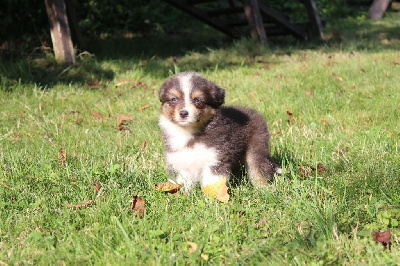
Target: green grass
[345,98]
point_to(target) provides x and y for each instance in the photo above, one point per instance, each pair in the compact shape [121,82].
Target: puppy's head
[189,100]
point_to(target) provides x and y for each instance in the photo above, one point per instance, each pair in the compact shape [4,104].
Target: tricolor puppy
[205,142]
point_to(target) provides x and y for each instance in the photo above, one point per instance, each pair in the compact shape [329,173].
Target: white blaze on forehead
[186,86]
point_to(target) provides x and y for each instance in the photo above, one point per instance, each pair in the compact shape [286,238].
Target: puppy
[205,142]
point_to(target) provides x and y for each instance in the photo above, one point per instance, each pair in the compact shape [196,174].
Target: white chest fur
[193,164]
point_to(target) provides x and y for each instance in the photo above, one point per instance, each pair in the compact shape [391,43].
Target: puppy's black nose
[183,113]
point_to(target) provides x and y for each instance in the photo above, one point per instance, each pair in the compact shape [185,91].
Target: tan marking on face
[197,94]
[175,93]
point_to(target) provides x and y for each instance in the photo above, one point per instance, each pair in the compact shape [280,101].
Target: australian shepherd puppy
[205,142]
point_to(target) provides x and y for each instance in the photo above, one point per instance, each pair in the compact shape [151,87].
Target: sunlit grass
[345,102]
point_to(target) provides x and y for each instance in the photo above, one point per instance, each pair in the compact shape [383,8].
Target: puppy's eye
[174,100]
[196,101]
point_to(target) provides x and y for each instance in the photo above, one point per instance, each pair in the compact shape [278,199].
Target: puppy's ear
[168,84]
[162,93]
[218,95]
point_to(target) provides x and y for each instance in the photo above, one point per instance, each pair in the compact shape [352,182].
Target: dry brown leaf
[94,84]
[308,93]
[290,115]
[97,187]
[121,125]
[124,117]
[168,187]
[97,115]
[305,170]
[342,151]
[79,205]
[62,157]
[321,168]
[137,206]
[324,122]
[144,107]
[218,190]
[15,138]
[121,83]
[395,63]
[139,84]
[144,144]
[383,238]
[309,170]
[192,247]
[304,67]
[261,223]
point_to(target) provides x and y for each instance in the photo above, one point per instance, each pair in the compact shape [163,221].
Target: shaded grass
[345,99]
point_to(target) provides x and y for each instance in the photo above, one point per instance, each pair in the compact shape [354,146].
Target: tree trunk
[256,24]
[60,32]
[377,8]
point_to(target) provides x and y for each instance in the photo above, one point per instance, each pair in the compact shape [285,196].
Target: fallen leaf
[337,77]
[261,223]
[192,247]
[304,67]
[97,187]
[15,138]
[342,151]
[395,63]
[137,206]
[79,120]
[144,107]
[94,84]
[308,93]
[321,168]
[309,170]
[121,125]
[62,156]
[168,187]
[204,256]
[218,190]
[97,115]
[124,82]
[324,122]
[383,238]
[139,84]
[290,115]
[144,144]
[124,117]
[305,170]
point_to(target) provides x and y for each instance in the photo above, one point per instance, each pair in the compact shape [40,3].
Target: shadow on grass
[157,56]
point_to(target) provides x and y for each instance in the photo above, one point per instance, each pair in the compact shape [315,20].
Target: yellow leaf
[218,190]
[204,256]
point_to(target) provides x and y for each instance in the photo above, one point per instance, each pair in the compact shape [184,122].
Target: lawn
[333,110]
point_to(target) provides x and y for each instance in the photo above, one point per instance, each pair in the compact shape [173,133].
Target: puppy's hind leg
[260,169]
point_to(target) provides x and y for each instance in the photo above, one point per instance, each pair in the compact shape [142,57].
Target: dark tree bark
[255,20]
